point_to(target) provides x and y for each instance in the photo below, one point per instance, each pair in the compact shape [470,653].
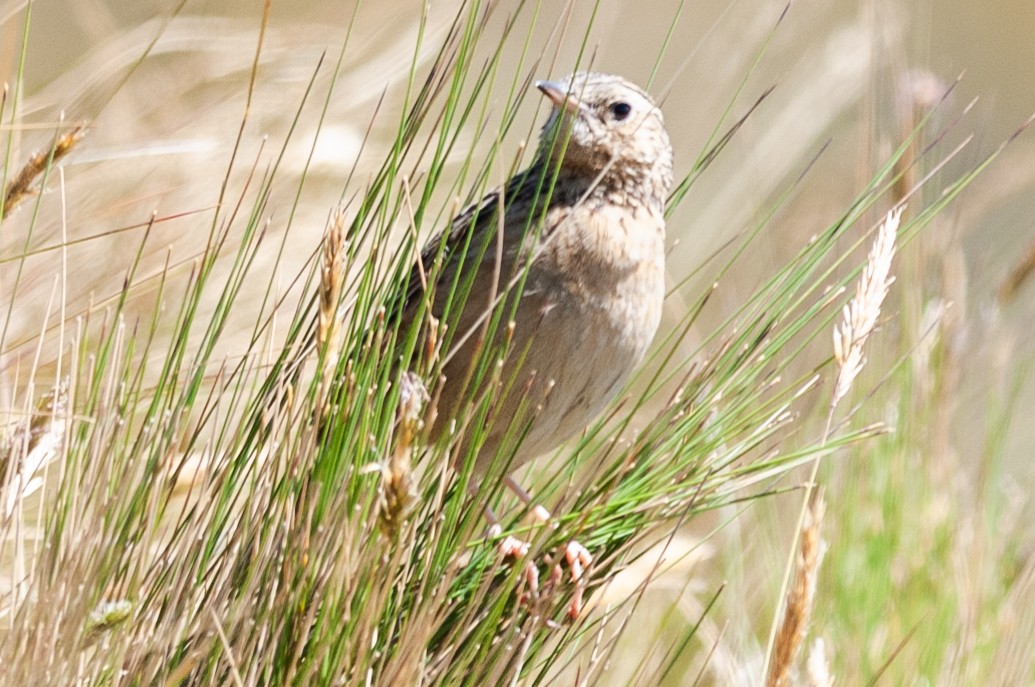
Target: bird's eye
[620,110]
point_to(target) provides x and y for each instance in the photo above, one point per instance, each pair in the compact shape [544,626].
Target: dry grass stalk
[861,313]
[798,609]
[1016,627]
[20,187]
[398,487]
[1018,277]
[328,326]
[332,279]
[919,92]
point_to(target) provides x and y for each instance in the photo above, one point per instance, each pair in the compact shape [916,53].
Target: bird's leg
[512,547]
[577,556]
[538,511]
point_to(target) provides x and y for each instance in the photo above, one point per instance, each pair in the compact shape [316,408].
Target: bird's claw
[579,558]
[576,556]
[512,547]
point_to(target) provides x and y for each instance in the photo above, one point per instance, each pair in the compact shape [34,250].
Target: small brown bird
[584,229]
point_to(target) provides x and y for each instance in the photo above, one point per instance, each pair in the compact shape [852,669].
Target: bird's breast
[606,263]
[598,297]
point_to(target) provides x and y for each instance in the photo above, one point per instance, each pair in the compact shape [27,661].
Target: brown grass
[798,609]
[20,187]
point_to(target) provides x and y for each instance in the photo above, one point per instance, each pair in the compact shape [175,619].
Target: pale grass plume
[859,319]
[398,485]
[861,313]
[31,447]
[107,616]
[817,666]
[800,597]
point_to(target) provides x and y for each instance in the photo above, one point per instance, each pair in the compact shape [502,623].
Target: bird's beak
[559,96]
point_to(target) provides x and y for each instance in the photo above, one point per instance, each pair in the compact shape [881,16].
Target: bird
[571,253]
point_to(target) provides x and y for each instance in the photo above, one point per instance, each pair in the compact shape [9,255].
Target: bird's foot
[512,547]
[577,557]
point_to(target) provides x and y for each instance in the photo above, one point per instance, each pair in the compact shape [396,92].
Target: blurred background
[164,87]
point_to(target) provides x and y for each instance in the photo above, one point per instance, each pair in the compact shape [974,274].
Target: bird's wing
[471,235]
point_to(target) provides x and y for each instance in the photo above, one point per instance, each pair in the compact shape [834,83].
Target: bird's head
[607,129]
